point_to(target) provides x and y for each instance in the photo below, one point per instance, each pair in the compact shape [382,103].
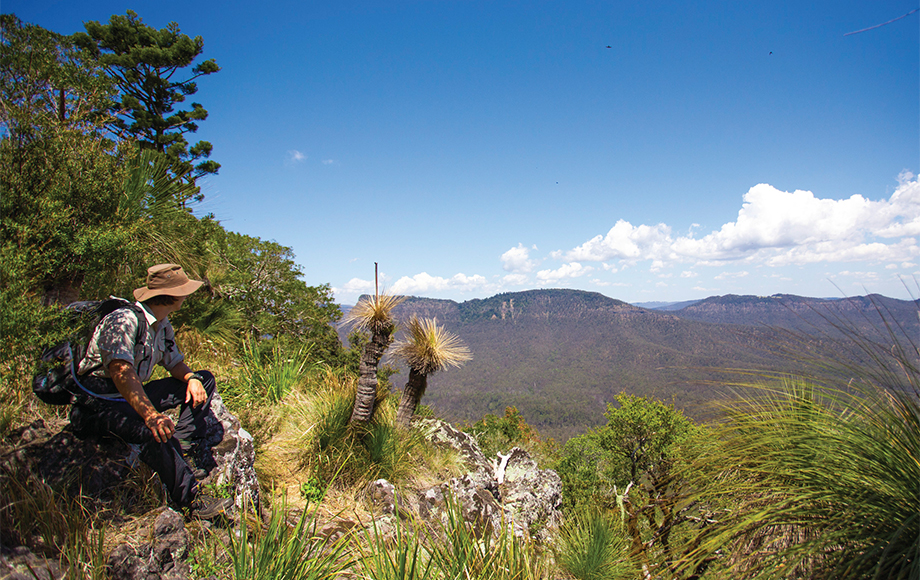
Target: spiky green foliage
[282,552]
[820,482]
[429,348]
[405,557]
[469,550]
[592,545]
[820,477]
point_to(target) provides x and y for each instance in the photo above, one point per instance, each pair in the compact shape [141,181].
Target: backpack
[57,382]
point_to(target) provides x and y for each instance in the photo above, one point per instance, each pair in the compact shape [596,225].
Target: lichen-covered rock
[20,563]
[471,497]
[228,454]
[531,496]
[92,467]
[511,490]
[163,557]
[444,434]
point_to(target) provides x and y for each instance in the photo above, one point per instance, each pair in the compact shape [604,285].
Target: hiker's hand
[161,426]
[195,393]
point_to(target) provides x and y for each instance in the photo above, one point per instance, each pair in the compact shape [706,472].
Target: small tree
[427,349]
[373,314]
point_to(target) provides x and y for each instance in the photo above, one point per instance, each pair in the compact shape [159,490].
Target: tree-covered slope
[561,355]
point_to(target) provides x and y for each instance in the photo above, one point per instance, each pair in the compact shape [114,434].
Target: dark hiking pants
[100,417]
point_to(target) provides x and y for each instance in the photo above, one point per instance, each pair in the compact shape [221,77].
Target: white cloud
[776,228]
[356,286]
[518,259]
[295,156]
[570,270]
[424,282]
[328,161]
[624,241]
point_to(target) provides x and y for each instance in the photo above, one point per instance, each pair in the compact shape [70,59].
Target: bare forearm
[129,385]
[131,388]
[194,393]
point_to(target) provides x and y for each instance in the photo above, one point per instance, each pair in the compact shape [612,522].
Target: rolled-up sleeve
[115,337]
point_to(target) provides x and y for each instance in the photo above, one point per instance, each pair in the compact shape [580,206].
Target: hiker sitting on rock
[120,358]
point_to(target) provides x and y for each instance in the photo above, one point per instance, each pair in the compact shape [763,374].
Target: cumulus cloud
[518,259]
[776,228]
[356,286]
[424,282]
[624,241]
[570,270]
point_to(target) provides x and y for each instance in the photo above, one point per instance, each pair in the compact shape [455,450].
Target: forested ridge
[808,470]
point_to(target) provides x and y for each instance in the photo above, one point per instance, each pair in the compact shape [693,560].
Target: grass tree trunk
[366,396]
[411,396]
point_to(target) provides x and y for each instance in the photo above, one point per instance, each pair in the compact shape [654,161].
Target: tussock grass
[279,551]
[315,446]
[593,545]
[820,476]
[455,549]
[53,525]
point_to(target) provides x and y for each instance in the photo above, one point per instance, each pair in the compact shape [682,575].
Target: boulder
[20,563]
[228,454]
[510,489]
[531,495]
[163,557]
[65,462]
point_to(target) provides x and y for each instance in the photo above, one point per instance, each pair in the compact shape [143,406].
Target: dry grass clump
[316,454]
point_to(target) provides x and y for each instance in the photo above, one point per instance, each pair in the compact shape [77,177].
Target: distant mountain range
[560,356]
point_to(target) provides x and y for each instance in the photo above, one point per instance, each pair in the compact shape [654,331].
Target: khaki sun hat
[168,280]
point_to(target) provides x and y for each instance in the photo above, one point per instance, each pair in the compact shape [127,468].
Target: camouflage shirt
[114,338]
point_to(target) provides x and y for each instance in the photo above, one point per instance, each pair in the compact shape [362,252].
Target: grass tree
[372,314]
[428,348]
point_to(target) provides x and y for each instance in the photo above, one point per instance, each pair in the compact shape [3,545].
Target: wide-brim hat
[166,280]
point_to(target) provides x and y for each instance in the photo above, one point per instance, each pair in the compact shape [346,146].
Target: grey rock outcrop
[229,455]
[163,557]
[511,490]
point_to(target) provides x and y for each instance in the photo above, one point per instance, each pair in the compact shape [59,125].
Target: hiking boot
[205,507]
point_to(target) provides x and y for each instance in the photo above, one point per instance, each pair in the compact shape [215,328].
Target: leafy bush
[499,434]
[641,436]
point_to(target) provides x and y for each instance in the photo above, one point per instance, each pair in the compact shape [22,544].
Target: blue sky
[650,151]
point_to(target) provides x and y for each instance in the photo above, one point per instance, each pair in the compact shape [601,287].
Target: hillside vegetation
[808,470]
[560,355]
